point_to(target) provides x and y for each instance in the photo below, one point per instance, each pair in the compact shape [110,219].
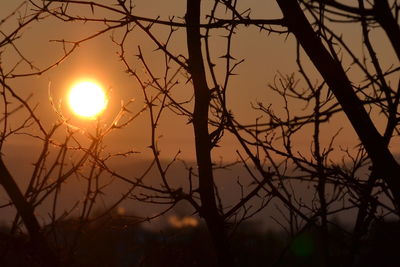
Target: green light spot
[303,245]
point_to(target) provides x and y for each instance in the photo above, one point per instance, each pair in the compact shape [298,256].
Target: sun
[87,99]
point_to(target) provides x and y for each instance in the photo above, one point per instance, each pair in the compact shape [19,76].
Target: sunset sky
[265,55]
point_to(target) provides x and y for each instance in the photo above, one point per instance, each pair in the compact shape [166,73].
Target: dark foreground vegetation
[303,96]
[119,241]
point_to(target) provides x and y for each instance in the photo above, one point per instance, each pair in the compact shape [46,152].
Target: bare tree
[363,180]
[65,151]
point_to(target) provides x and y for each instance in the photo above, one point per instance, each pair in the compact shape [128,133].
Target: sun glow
[87,99]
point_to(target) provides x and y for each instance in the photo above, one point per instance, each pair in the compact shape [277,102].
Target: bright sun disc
[87,99]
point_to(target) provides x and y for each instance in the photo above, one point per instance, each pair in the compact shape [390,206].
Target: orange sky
[264,55]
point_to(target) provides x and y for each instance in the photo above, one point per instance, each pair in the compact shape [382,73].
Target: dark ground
[117,241]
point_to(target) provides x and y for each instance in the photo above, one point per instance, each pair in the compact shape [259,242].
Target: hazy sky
[264,55]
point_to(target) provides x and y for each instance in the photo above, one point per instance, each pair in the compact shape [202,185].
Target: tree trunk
[209,211]
[389,24]
[334,75]
[39,244]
